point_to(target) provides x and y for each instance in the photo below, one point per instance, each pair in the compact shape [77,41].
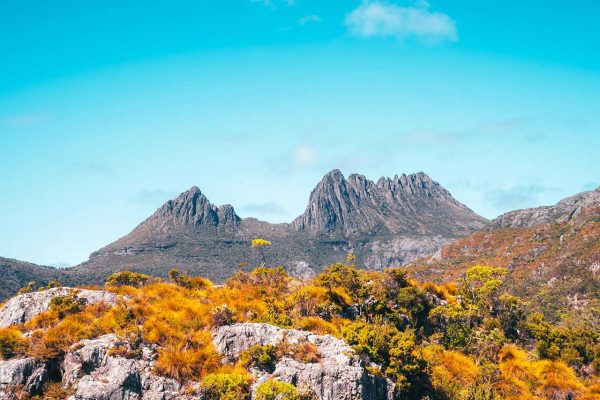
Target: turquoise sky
[109,108]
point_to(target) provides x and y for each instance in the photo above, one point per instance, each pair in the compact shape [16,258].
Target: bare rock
[87,356]
[97,375]
[26,372]
[563,211]
[116,379]
[408,204]
[24,307]
[339,375]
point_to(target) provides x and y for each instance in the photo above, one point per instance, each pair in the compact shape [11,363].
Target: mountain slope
[388,222]
[552,253]
[17,274]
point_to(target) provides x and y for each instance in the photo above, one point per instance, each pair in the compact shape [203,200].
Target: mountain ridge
[211,231]
[386,222]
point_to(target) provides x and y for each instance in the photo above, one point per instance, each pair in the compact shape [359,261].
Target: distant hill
[386,223]
[17,274]
[552,253]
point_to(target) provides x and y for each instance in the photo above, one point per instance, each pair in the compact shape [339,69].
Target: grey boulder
[24,307]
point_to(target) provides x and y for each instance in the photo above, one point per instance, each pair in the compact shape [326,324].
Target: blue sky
[110,108]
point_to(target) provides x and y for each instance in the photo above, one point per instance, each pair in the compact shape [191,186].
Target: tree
[260,244]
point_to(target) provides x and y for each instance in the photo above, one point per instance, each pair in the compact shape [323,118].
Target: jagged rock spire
[192,208]
[406,204]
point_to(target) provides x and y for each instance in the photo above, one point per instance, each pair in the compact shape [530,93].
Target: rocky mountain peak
[403,204]
[192,208]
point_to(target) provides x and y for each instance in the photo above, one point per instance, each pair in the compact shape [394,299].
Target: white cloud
[379,19]
[304,156]
[309,19]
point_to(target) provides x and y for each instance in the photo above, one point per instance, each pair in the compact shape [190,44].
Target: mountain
[17,274]
[409,205]
[389,222]
[552,254]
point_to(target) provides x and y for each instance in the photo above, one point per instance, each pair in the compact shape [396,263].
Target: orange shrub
[12,342]
[181,363]
[316,325]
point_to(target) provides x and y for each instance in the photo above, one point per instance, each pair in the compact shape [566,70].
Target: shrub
[54,391]
[184,280]
[128,278]
[225,386]
[452,373]
[339,275]
[392,349]
[182,364]
[304,352]
[53,284]
[31,287]
[12,343]
[221,315]
[276,390]
[67,304]
[316,325]
[261,357]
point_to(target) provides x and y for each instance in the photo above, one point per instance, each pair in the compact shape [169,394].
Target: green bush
[128,278]
[386,345]
[261,357]
[277,390]
[223,386]
[67,304]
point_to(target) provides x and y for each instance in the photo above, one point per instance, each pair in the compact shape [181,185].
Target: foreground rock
[339,375]
[24,307]
[95,374]
[27,374]
[93,370]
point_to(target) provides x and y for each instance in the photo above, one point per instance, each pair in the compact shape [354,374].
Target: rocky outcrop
[92,371]
[27,374]
[95,374]
[339,375]
[24,307]
[401,250]
[407,204]
[564,211]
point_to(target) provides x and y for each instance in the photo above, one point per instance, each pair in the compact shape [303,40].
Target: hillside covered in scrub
[552,255]
[345,334]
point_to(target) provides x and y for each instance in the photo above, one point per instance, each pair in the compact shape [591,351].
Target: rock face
[26,373]
[563,211]
[339,375]
[191,208]
[386,223]
[24,307]
[93,372]
[412,204]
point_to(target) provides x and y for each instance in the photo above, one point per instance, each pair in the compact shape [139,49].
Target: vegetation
[12,343]
[226,386]
[128,278]
[276,390]
[469,340]
[260,245]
